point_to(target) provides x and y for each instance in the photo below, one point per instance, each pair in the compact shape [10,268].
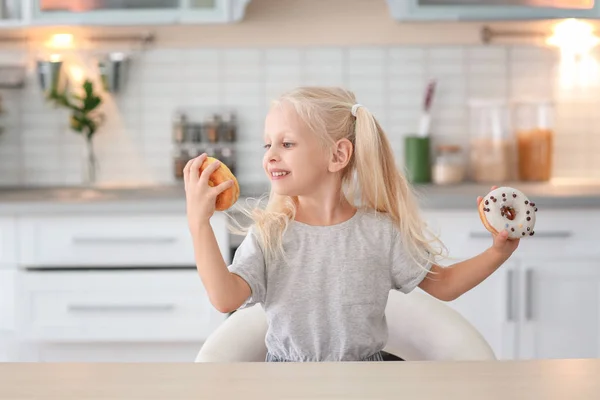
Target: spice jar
[211,129]
[449,165]
[492,153]
[533,122]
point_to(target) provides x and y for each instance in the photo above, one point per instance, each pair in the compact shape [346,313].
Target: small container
[180,159]
[533,125]
[449,166]
[211,129]
[492,152]
[227,156]
[179,124]
[228,128]
[416,159]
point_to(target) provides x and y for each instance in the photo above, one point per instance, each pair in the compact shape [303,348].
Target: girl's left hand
[502,244]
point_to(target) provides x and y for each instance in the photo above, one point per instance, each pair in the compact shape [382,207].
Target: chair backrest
[420,328]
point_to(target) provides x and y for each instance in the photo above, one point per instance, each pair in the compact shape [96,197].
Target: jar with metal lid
[449,166]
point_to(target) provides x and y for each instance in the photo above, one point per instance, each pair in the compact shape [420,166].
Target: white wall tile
[37,146]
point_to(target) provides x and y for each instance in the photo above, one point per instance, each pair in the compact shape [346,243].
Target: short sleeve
[406,273]
[249,263]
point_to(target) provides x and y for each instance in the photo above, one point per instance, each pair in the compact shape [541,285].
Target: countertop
[171,198]
[490,380]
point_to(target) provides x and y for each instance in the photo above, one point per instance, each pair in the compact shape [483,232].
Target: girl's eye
[266,146]
[287,145]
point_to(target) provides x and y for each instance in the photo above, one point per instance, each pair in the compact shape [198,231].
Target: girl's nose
[272,155]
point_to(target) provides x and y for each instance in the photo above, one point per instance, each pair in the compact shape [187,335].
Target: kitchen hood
[559,4]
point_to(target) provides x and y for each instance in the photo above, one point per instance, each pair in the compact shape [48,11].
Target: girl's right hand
[200,196]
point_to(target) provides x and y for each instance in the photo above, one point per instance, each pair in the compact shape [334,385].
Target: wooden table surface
[531,380]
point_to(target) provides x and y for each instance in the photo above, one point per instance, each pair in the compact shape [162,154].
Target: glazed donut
[508,209]
[228,198]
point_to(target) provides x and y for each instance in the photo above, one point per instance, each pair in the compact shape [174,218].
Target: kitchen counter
[171,198]
[491,380]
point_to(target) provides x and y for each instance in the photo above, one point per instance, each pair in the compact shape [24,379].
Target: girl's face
[295,161]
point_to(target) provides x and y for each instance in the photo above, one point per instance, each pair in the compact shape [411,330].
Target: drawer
[112,240]
[116,306]
[558,233]
[8,243]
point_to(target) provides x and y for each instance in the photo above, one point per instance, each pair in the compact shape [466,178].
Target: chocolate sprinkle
[532,232]
[503,194]
[494,199]
[527,212]
[487,202]
[528,229]
[528,218]
[512,229]
[523,233]
[514,195]
[526,202]
[536,209]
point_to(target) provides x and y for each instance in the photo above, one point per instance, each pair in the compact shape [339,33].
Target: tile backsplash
[134,145]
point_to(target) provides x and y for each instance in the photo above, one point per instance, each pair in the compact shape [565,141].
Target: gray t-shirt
[327,301]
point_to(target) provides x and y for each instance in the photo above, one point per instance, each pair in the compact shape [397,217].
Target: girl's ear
[340,156]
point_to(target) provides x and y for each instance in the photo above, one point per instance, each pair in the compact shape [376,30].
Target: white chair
[420,328]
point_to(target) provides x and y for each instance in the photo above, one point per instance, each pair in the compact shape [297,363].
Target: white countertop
[171,198]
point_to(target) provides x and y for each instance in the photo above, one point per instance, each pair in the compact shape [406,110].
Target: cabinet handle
[120,307]
[83,240]
[509,298]
[529,294]
[543,234]
[480,235]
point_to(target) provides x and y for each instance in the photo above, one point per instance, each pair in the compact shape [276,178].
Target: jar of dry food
[492,152]
[448,165]
[533,126]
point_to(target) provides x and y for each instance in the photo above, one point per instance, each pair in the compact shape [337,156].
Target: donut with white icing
[506,208]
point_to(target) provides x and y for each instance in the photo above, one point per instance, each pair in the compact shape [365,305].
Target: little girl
[340,230]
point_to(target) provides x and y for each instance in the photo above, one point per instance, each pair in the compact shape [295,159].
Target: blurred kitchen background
[203,69]
[95,259]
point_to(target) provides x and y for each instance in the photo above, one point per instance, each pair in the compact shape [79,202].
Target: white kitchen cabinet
[7,312]
[113,316]
[112,240]
[110,286]
[8,242]
[134,12]
[115,306]
[544,302]
[560,313]
[491,308]
[478,10]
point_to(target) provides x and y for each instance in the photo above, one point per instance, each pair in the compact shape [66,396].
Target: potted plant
[85,119]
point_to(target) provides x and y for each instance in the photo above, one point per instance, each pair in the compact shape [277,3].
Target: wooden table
[531,380]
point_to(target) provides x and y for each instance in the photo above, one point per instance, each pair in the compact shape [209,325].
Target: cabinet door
[7,297]
[207,11]
[7,312]
[8,245]
[560,314]
[491,10]
[136,12]
[113,12]
[491,308]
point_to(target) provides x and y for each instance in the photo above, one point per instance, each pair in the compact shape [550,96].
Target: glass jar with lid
[533,126]
[449,166]
[492,151]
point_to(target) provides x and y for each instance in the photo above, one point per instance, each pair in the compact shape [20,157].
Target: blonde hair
[371,173]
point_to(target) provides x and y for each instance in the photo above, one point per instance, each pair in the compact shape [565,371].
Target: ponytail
[384,188]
